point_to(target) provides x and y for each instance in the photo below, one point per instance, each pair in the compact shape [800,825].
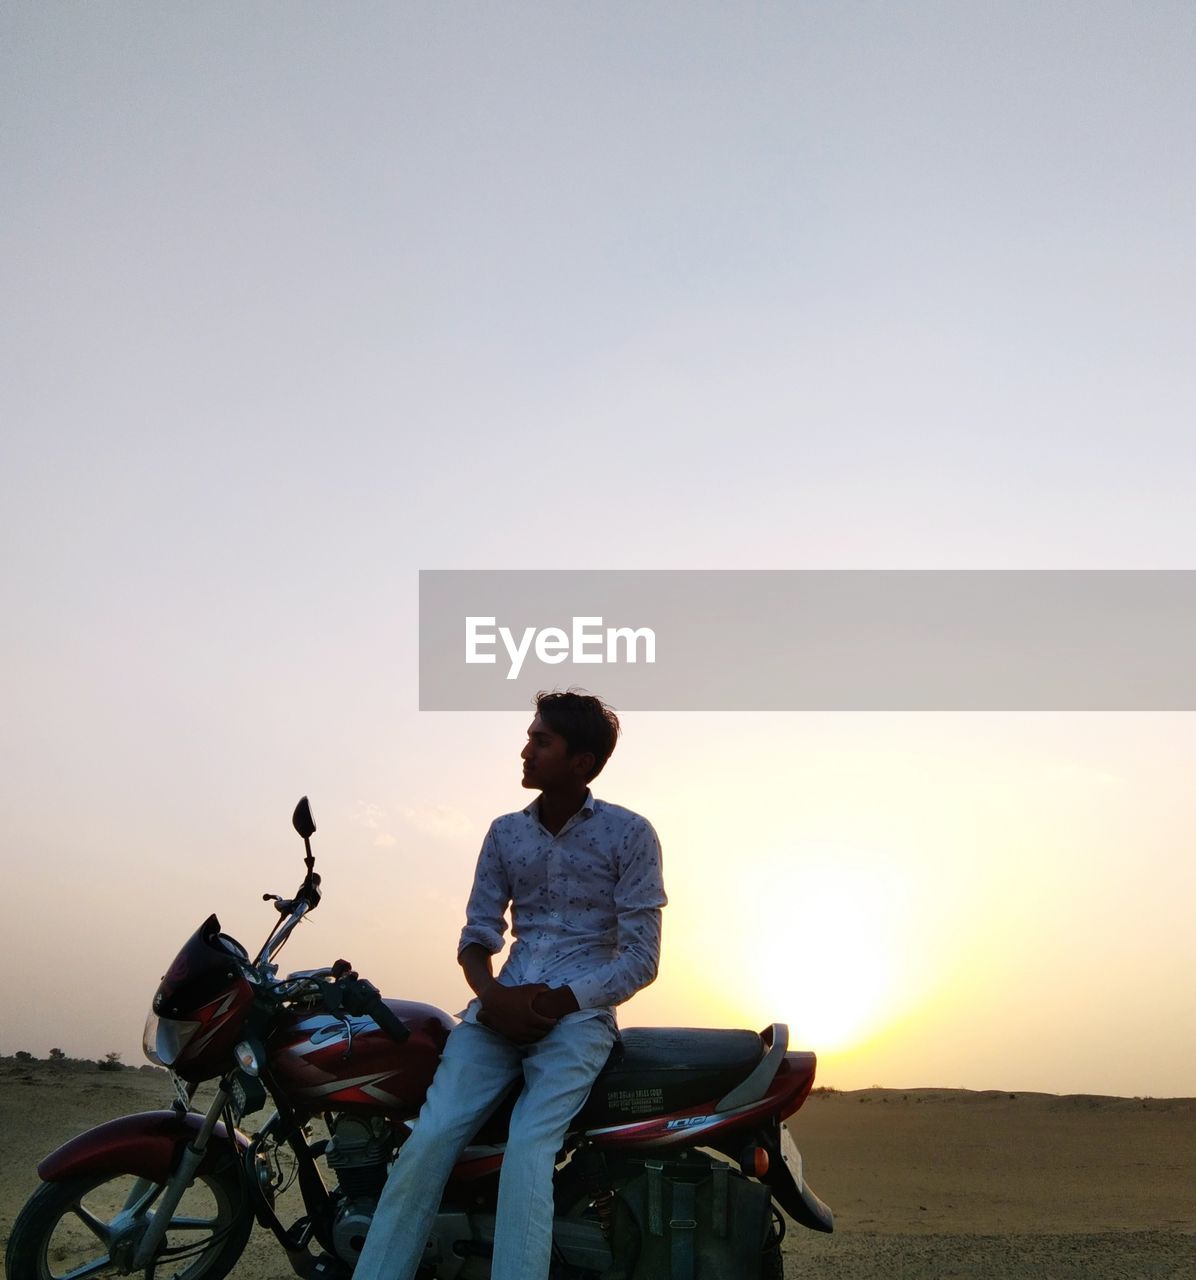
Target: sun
[839,997]
[833,968]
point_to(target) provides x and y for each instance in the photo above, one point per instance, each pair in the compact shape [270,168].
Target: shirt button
[556,915]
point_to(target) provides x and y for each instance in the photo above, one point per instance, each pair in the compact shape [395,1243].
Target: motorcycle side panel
[328,1063]
[704,1124]
[146,1144]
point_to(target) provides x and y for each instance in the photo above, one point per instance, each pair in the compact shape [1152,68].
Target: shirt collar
[587,808]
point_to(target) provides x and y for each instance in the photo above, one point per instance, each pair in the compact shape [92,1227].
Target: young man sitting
[582,880]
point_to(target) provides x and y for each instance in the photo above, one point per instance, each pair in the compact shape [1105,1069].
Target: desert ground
[924,1182]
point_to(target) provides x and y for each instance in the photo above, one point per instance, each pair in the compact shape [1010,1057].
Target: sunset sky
[301,299]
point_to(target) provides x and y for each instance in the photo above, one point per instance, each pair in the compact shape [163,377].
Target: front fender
[147,1145]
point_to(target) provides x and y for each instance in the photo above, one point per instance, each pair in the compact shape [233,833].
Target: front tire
[88,1226]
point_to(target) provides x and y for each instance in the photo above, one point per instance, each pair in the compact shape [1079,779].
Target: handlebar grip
[394,1027]
[360,996]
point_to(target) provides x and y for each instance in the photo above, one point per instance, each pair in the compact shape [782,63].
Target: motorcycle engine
[357,1154]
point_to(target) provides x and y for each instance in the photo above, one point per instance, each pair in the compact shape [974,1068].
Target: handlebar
[309,894]
[360,996]
[379,1010]
[345,990]
[292,910]
[346,993]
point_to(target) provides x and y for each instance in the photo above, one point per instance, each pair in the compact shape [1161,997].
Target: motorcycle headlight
[165,1039]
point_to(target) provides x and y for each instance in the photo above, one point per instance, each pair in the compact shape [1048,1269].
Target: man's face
[547,763]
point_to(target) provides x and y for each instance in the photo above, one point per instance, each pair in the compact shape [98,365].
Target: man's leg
[477,1067]
[559,1070]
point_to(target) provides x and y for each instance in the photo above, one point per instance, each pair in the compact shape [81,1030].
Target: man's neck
[557,807]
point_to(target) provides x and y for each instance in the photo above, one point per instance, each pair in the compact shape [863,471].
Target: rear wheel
[89,1226]
[772,1263]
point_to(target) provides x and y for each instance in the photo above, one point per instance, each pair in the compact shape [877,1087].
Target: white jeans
[475,1071]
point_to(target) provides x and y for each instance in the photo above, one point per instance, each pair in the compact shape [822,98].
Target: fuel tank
[329,1063]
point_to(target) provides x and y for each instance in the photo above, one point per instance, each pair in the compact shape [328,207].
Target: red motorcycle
[677,1168]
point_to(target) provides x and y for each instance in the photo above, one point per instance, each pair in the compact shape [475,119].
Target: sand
[950,1183]
[926,1182]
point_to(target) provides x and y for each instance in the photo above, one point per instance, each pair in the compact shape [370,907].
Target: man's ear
[583,764]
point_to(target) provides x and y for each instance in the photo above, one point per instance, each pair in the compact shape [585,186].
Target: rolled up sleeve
[485,913]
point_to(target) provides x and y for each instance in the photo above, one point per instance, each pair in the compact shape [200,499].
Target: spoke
[141,1192]
[87,1269]
[101,1230]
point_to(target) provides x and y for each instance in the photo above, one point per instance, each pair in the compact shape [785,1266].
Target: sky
[300,300]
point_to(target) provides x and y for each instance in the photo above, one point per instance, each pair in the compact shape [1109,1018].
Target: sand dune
[924,1182]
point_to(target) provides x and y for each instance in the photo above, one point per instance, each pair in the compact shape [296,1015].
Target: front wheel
[89,1226]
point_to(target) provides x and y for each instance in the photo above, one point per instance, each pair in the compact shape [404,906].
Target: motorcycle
[678,1167]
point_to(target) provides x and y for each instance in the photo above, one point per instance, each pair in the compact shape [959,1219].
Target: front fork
[315,1226]
[178,1183]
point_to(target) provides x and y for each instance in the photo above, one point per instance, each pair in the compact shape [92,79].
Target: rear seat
[657,1069]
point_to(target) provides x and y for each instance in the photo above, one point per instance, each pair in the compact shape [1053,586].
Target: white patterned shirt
[585,903]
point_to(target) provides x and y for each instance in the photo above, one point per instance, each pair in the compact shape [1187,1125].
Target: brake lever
[311,889]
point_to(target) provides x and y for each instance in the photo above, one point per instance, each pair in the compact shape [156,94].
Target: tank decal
[326,1030]
[367,1085]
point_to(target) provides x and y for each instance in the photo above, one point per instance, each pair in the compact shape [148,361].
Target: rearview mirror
[302,820]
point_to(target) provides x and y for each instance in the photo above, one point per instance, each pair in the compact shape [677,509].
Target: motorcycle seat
[684,1049]
[658,1069]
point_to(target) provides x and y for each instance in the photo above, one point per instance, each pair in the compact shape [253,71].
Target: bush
[23,1055]
[111,1062]
[57,1055]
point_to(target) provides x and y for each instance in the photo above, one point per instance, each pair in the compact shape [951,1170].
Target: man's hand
[513,1012]
[523,1014]
[556,1002]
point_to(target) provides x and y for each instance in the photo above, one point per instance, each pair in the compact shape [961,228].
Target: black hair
[584,721]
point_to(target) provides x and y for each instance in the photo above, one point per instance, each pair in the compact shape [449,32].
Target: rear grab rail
[760,1081]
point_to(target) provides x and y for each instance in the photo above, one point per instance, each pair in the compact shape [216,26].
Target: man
[582,880]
